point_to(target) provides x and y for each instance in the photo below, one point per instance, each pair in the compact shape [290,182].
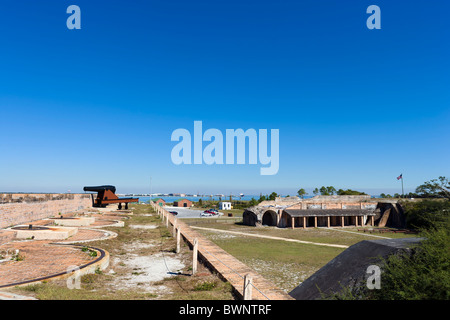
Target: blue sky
[355,107]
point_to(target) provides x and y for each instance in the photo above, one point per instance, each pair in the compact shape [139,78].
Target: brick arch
[250,217]
[269,218]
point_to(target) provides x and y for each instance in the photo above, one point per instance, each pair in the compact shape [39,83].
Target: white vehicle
[206,214]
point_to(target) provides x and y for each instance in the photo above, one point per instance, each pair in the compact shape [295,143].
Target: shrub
[423,274]
[426,214]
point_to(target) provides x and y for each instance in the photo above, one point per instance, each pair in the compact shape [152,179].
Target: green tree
[316,191]
[253,202]
[327,191]
[331,190]
[301,193]
[273,195]
[426,214]
[435,188]
[349,192]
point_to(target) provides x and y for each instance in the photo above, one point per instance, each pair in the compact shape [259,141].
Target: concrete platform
[44,233]
[73,221]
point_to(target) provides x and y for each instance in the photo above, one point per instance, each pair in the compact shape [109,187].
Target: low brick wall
[20,208]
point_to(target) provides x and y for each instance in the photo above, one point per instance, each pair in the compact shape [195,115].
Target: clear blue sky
[355,107]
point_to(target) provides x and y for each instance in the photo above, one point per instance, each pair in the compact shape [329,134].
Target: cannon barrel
[100,188]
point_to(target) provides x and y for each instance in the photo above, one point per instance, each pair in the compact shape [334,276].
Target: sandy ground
[136,271]
[146,226]
[147,270]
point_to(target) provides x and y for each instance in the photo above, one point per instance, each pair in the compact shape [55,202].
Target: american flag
[400,177]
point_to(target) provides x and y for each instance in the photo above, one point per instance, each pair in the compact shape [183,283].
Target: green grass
[391,235]
[321,235]
[245,248]
[286,264]
[235,212]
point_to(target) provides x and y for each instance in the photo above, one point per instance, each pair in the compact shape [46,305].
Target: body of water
[195,199]
[215,198]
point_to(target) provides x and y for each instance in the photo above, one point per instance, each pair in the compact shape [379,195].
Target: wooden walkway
[230,268]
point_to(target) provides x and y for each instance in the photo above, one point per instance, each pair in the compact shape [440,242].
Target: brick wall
[21,208]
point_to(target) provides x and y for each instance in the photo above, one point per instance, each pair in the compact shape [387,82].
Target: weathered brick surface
[40,259]
[24,208]
[6,236]
[86,235]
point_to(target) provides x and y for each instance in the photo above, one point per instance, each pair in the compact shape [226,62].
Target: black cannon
[106,195]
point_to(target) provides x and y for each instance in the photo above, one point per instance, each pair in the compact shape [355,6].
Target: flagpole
[402,188]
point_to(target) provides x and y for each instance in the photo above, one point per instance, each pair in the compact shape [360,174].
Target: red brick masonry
[24,208]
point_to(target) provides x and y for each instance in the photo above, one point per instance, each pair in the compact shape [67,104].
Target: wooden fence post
[248,287]
[167,219]
[194,257]
[174,226]
[178,240]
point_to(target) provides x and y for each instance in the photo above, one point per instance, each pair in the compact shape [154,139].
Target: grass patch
[234,212]
[320,235]
[89,291]
[285,264]
[205,286]
[246,248]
